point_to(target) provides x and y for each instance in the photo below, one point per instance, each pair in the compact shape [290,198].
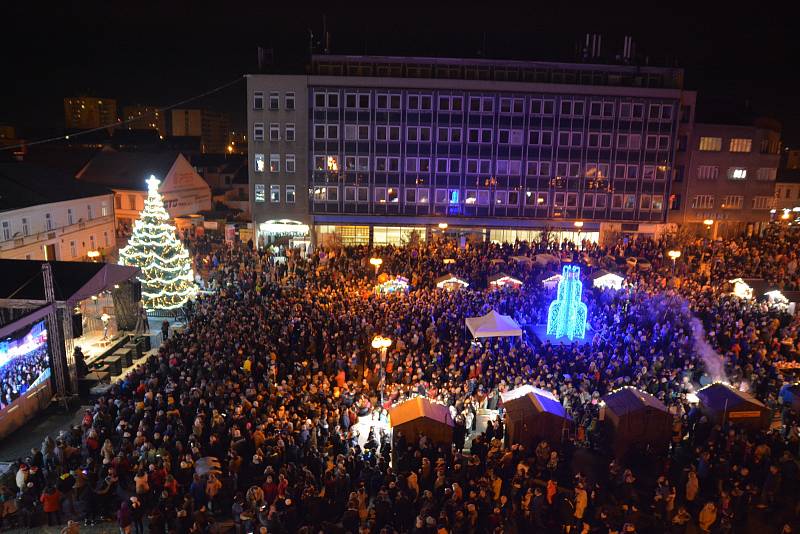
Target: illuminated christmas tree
[167,277]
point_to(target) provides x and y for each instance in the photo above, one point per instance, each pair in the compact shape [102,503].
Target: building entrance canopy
[283,228]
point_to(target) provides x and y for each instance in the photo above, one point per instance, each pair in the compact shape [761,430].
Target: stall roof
[493,324]
[543,400]
[420,407]
[627,400]
[73,281]
[450,278]
[503,276]
[715,396]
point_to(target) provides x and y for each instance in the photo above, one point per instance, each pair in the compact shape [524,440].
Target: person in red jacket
[51,504]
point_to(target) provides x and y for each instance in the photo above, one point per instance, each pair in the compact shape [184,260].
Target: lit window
[260,162]
[260,193]
[274,193]
[741,144]
[737,173]
[710,144]
[274,163]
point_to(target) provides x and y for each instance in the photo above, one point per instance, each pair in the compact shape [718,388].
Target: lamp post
[376,262]
[382,343]
[674,254]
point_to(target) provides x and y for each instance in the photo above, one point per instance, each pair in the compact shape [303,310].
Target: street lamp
[442,226]
[382,343]
[674,254]
[376,262]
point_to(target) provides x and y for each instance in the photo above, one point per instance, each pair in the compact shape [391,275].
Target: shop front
[286,233]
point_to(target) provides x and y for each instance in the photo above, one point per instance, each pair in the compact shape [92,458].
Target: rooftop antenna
[326,35]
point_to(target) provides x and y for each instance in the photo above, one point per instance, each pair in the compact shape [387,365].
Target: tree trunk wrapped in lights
[167,277]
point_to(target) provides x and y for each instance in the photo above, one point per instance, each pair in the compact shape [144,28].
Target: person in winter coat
[124,519]
[708,516]
[51,504]
[581,501]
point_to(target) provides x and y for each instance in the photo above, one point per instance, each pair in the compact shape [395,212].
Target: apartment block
[728,186]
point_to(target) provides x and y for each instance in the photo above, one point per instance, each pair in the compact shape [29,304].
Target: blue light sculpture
[566,316]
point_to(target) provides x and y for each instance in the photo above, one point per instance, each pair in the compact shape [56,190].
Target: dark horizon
[740,66]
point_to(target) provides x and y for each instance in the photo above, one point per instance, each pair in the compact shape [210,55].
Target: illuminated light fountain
[566,316]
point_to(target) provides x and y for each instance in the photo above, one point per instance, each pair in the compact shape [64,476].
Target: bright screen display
[24,362]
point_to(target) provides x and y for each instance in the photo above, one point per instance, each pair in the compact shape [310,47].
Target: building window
[70,217]
[710,144]
[91,242]
[644,203]
[702,202]
[418,133]
[274,100]
[766,174]
[48,222]
[89,213]
[289,100]
[25,228]
[274,193]
[356,101]
[260,194]
[258,100]
[6,231]
[388,102]
[411,195]
[274,131]
[732,202]
[260,162]
[118,201]
[707,172]
[739,144]
[737,173]
[103,209]
[274,163]
[763,203]
[258,131]
[540,137]
[73,250]
[572,108]
[289,131]
[106,242]
[629,202]
[290,194]
[657,203]
[290,163]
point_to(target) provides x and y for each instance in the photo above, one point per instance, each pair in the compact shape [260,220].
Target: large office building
[87,112]
[728,185]
[370,149]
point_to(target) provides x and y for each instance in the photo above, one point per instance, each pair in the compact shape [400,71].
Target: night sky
[741,62]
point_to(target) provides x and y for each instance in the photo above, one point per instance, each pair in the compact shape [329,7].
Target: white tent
[448,281]
[521,259]
[552,281]
[502,280]
[606,280]
[493,324]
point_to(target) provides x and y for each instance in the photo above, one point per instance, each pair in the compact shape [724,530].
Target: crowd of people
[17,374]
[268,411]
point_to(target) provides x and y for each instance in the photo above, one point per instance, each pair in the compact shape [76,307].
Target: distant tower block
[567,314]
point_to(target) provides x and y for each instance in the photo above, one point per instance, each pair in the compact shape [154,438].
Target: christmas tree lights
[167,277]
